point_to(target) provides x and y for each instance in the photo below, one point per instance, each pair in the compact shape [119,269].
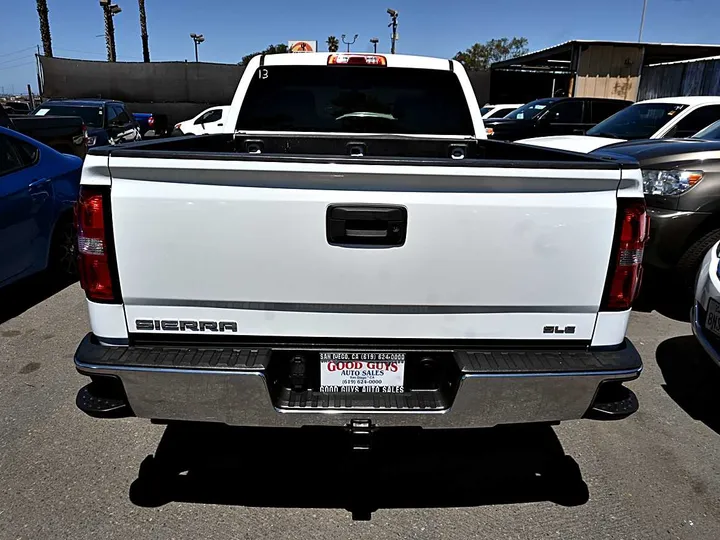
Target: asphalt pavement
[65,475]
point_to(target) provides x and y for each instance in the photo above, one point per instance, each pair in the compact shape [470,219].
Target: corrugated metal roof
[565,44]
[686,61]
[613,42]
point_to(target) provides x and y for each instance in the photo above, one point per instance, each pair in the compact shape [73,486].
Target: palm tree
[42,10]
[143,31]
[333,43]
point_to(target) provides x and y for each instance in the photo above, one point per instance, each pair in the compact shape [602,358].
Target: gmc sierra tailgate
[362,249]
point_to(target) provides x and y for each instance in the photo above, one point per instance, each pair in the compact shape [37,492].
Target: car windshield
[530,110]
[355,99]
[485,110]
[92,116]
[639,121]
[712,132]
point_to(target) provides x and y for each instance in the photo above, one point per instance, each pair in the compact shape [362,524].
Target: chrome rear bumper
[485,396]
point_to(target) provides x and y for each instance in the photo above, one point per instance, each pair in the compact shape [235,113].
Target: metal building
[699,77]
[585,68]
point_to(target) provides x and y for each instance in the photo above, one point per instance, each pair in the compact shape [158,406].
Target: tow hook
[361,432]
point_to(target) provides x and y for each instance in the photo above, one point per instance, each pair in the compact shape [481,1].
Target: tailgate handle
[366,225]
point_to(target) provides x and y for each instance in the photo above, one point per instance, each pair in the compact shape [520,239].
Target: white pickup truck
[352,251]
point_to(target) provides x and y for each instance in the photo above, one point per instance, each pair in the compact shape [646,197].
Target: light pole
[642,20]
[110,10]
[393,22]
[198,39]
[348,43]
[374,42]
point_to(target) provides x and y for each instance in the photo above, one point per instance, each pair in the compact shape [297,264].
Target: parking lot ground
[65,475]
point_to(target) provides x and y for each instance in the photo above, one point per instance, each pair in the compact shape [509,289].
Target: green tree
[481,56]
[143,31]
[333,44]
[42,10]
[272,49]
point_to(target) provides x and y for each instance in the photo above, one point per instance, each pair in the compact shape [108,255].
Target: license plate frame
[344,371]
[712,318]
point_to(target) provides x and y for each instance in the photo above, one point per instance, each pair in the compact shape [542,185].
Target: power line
[19,65]
[18,51]
[18,58]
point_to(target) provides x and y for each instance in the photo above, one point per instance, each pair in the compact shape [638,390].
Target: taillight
[151,121]
[96,276]
[352,59]
[625,274]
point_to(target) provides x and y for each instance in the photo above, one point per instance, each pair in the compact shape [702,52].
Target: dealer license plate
[354,371]
[712,321]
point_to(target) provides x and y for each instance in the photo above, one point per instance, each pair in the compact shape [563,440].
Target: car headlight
[669,182]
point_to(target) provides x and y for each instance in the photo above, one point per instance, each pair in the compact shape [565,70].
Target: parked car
[151,124]
[705,313]
[681,179]
[553,116]
[38,187]
[66,134]
[498,111]
[346,253]
[16,107]
[108,122]
[211,120]
[675,117]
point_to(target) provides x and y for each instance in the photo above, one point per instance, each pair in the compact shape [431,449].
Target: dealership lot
[65,475]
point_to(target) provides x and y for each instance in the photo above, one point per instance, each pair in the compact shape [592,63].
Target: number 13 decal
[262,73]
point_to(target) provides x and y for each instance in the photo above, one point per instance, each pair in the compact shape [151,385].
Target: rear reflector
[96,277]
[357,60]
[625,274]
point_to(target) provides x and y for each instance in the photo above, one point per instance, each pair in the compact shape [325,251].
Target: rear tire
[63,248]
[686,269]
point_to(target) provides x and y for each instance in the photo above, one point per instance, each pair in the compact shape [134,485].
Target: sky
[234,28]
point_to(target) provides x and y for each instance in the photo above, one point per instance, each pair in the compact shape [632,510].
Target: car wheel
[689,264]
[63,250]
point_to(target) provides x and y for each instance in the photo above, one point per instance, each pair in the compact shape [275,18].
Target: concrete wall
[609,71]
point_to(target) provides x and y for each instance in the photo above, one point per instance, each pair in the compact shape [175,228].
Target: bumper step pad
[101,404]
[469,361]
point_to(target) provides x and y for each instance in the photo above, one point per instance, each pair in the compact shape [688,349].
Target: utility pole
[348,43]
[642,20]
[42,10]
[197,38]
[143,31]
[374,42]
[109,11]
[393,22]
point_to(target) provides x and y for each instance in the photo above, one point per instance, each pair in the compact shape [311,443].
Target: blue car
[107,121]
[38,189]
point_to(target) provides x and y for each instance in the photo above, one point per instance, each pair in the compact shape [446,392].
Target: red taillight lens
[151,121]
[625,273]
[93,259]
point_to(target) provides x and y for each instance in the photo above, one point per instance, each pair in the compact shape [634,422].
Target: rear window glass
[355,99]
[639,121]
